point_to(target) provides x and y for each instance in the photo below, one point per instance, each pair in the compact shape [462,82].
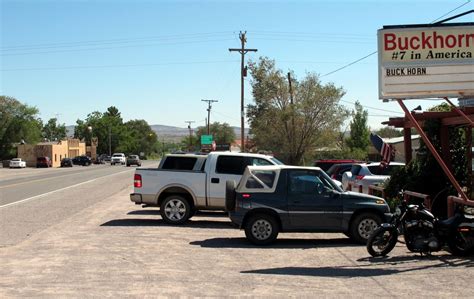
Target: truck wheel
[261,229]
[362,227]
[175,209]
[230,195]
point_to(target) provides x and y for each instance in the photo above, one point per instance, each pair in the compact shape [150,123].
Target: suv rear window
[179,163]
[266,176]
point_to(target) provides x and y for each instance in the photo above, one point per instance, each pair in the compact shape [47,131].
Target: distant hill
[166,133]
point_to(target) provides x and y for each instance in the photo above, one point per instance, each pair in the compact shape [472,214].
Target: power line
[398,112]
[119,65]
[116,40]
[367,56]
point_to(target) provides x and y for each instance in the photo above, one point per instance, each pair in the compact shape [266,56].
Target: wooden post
[407,144]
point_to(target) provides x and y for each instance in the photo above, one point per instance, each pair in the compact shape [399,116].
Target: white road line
[54,191]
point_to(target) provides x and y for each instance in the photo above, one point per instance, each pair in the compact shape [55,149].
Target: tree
[221,133]
[138,137]
[359,135]
[18,123]
[388,132]
[53,131]
[291,130]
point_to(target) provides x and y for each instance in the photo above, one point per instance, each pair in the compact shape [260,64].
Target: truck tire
[261,229]
[175,209]
[230,195]
[362,227]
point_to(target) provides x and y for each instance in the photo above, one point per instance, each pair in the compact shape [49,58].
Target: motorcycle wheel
[382,241]
[458,245]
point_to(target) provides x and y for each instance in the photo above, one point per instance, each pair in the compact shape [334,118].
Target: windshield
[276,161]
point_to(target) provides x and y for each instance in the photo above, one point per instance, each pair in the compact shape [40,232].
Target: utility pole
[190,133]
[209,107]
[243,73]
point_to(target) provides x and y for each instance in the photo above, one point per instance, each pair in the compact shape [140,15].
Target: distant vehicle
[325,164]
[66,162]
[101,159]
[133,160]
[273,199]
[82,160]
[17,163]
[368,174]
[118,158]
[43,162]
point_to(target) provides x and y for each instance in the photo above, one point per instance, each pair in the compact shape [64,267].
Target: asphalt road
[33,199]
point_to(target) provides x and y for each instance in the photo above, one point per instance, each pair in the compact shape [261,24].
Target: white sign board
[426,62]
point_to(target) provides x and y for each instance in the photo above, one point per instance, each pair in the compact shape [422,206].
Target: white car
[368,174]
[118,158]
[17,163]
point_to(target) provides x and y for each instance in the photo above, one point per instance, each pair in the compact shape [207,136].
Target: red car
[43,162]
[325,164]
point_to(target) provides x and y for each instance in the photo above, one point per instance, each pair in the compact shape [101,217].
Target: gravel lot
[116,249]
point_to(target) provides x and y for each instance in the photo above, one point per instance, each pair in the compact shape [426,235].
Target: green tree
[221,133]
[389,132]
[359,135]
[291,130]
[54,131]
[138,137]
[18,123]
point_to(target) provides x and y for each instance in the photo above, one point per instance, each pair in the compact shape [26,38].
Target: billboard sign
[426,61]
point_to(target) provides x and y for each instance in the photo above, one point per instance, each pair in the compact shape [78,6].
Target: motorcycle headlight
[398,212]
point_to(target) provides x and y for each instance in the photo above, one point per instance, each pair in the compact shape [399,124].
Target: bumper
[237,217]
[136,198]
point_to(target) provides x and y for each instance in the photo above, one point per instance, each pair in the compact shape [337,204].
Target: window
[260,162]
[55,157]
[230,165]
[308,182]
[377,170]
[267,177]
[179,163]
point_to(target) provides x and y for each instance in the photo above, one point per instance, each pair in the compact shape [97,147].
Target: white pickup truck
[185,183]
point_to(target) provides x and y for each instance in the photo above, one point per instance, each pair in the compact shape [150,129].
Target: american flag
[386,150]
[386,153]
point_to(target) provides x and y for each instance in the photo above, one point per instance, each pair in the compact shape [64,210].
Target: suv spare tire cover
[230,195]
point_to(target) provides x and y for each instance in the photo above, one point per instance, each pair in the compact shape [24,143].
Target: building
[56,151]
[398,144]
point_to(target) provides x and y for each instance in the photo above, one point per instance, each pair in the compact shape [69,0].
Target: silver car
[368,174]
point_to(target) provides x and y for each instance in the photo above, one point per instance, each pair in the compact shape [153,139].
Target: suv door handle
[215,180]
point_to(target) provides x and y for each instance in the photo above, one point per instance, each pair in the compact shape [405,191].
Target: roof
[399,139]
[280,167]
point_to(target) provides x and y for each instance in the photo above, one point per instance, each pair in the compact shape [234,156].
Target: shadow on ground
[160,222]
[342,272]
[443,259]
[207,214]
[280,243]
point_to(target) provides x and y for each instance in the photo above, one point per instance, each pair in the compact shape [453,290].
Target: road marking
[44,179]
[54,191]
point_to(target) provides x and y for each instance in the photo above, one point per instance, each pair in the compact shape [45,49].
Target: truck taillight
[137,181]
[359,177]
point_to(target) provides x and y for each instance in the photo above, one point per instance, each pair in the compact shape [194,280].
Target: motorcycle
[423,232]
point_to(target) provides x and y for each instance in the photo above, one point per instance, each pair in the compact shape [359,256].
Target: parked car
[101,159]
[66,162]
[273,199]
[43,162]
[118,158]
[186,183]
[82,160]
[325,164]
[368,174]
[17,163]
[337,170]
[134,160]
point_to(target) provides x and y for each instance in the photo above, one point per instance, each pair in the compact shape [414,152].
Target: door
[312,201]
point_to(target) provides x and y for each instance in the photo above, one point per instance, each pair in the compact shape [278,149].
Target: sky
[157,60]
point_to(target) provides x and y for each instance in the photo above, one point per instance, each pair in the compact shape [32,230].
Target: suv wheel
[362,227]
[261,229]
[175,210]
